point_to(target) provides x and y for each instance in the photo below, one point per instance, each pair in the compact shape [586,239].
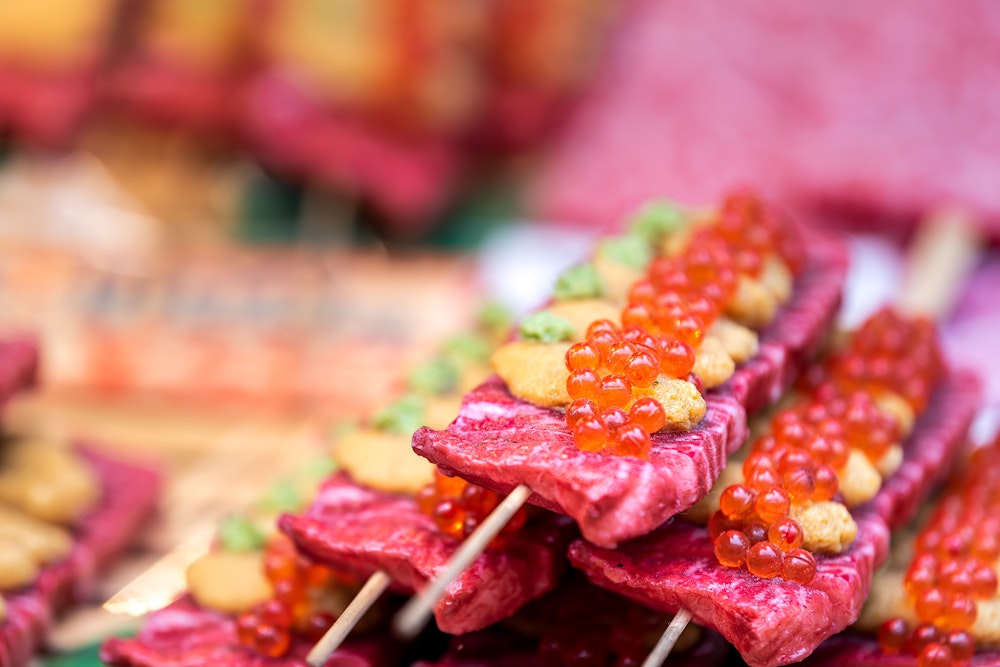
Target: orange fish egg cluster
[458,507]
[267,627]
[797,463]
[952,568]
[663,325]
[894,354]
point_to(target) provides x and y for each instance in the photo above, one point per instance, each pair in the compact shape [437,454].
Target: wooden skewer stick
[417,611]
[362,602]
[668,639]
[943,253]
[941,257]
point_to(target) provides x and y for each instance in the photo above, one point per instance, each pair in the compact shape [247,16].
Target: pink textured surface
[775,622]
[883,108]
[130,494]
[18,366]
[499,441]
[770,622]
[363,530]
[185,635]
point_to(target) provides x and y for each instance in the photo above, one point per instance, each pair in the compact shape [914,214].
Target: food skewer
[369,594]
[377,505]
[415,614]
[756,381]
[724,427]
[945,255]
[936,603]
[942,255]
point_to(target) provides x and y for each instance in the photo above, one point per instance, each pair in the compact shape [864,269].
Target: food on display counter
[675,309]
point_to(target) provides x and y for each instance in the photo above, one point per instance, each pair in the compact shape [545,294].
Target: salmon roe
[458,507]
[664,322]
[797,463]
[298,585]
[953,564]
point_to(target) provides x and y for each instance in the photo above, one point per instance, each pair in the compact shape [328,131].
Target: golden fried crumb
[383,461]
[683,404]
[713,365]
[229,581]
[3,609]
[17,567]
[702,510]
[890,461]
[776,278]
[859,479]
[43,542]
[740,342]
[618,279]
[827,527]
[48,482]
[581,312]
[753,305]
[894,405]
[534,372]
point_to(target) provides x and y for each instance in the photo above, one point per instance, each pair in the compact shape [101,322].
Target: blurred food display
[341,286]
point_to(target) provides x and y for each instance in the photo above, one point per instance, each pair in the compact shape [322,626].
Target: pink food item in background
[129,495]
[881,112]
[181,64]
[50,55]
[18,365]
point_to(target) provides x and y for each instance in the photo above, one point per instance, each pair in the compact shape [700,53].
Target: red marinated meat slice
[499,441]
[185,635]
[129,496]
[18,366]
[769,621]
[774,622]
[879,107]
[361,530]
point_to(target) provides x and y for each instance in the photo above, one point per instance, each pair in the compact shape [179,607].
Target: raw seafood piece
[184,634]
[129,495]
[499,441]
[362,531]
[773,622]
